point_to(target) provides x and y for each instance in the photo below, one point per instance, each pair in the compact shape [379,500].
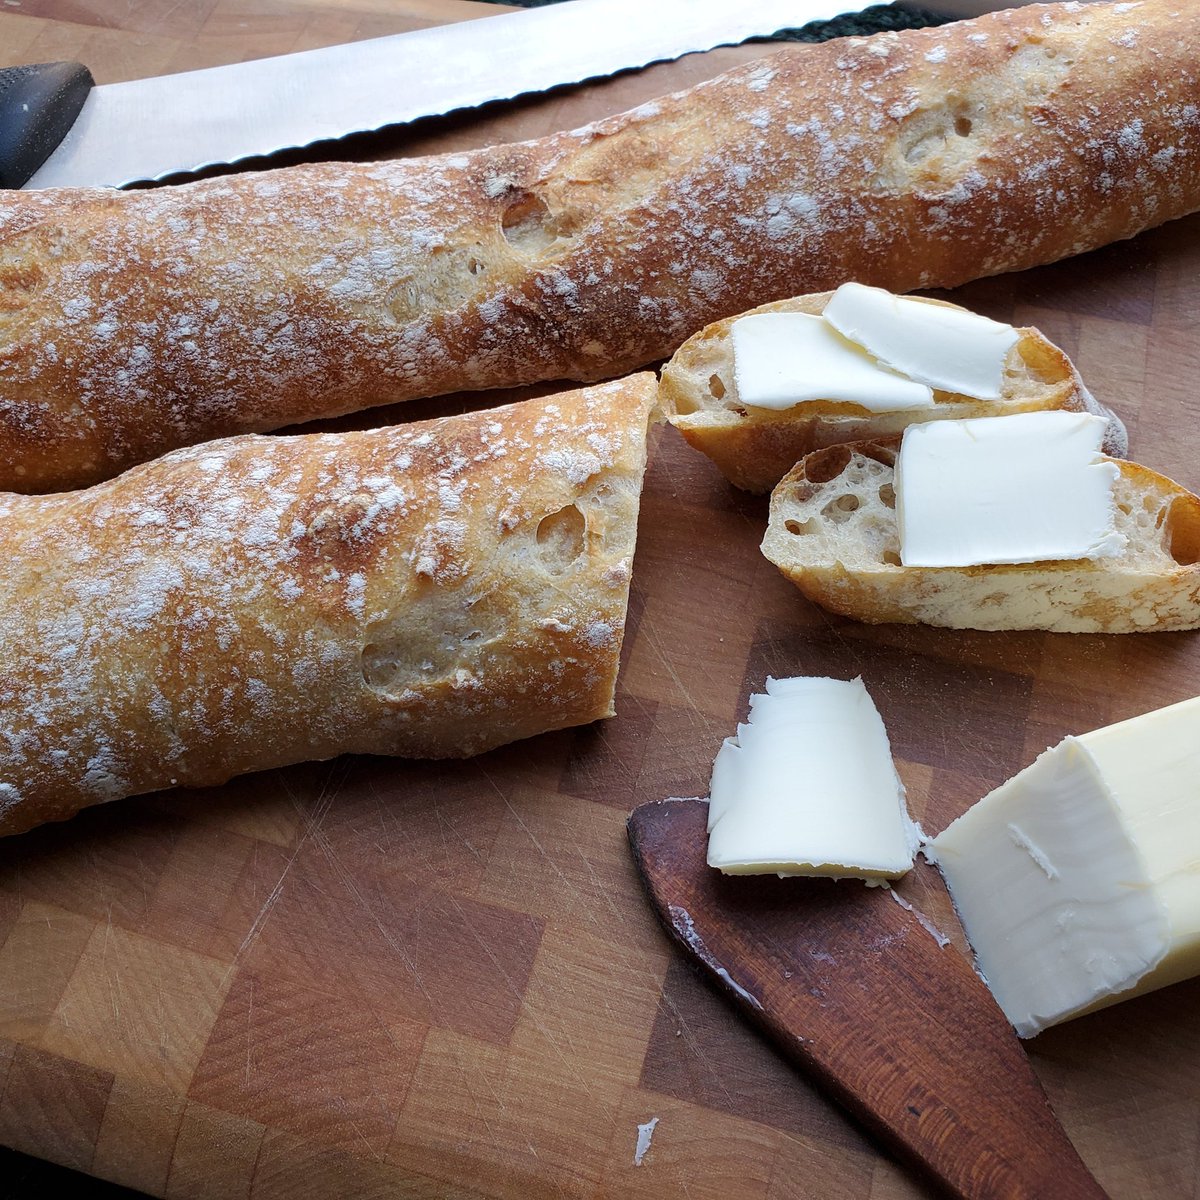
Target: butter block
[784,359]
[946,348]
[1031,487]
[808,787]
[1078,880]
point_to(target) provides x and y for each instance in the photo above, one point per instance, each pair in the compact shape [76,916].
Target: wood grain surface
[371,977]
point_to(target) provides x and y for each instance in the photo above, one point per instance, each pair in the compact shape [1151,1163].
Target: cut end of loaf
[833,532]
[428,590]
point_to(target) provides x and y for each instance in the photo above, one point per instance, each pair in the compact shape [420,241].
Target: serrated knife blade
[147,129]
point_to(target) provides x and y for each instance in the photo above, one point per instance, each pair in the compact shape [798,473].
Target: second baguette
[430,590]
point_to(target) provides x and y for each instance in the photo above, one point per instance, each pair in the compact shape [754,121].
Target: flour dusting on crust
[257,601]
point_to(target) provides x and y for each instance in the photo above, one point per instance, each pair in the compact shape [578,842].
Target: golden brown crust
[844,555]
[134,322]
[430,590]
[754,448]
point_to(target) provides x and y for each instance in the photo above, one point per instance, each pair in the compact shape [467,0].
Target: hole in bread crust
[560,539]
[887,496]
[891,558]
[925,146]
[823,465]
[878,452]
[429,645]
[716,387]
[19,277]
[801,491]
[1183,531]
[931,131]
[529,226]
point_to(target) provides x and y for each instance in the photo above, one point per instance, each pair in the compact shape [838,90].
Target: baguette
[431,590]
[134,322]
[833,532]
[754,447]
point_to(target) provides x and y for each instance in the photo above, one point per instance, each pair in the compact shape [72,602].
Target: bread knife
[57,129]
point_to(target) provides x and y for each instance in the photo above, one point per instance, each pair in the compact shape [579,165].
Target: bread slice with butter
[755,447]
[833,531]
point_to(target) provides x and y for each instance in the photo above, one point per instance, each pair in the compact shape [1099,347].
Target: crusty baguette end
[833,533]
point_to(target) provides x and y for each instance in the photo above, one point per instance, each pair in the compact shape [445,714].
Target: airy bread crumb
[833,533]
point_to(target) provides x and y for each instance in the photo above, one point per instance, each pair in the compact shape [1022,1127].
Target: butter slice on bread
[833,532]
[755,447]
[429,590]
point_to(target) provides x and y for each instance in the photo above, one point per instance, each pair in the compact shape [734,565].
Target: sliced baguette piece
[430,590]
[833,533]
[755,447]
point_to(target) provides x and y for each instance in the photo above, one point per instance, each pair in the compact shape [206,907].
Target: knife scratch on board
[778,652]
[343,1110]
[486,947]
[549,858]
[312,823]
[835,627]
[382,843]
[256,927]
[249,1030]
[491,782]
[479,853]
[393,943]
[471,1072]
[600,777]
[565,1057]
[601,890]
[647,635]
[695,1046]
[114,979]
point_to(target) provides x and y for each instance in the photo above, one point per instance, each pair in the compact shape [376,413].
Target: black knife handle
[38,104]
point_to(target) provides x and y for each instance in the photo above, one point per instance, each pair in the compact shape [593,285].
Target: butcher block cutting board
[371,977]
